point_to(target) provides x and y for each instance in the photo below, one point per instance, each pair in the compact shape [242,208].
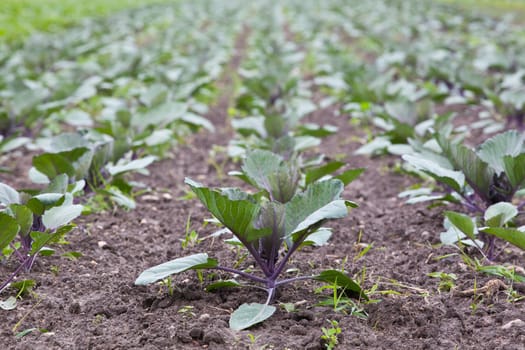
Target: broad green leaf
[154,95]
[315,174]
[9,228]
[37,177]
[53,164]
[159,116]
[318,203]
[305,142]
[451,178]
[197,120]
[62,215]
[41,239]
[123,167]
[350,175]
[250,125]
[222,284]
[23,216]
[66,142]
[58,184]
[78,118]
[514,168]
[493,150]
[275,126]
[49,199]
[259,165]
[348,286]
[158,137]
[268,171]
[191,262]
[511,235]
[377,145]
[76,187]
[477,173]
[36,206]
[46,251]
[233,209]
[514,97]
[499,214]
[8,304]
[8,195]
[319,237]
[463,222]
[12,144]
[453,235]
[316,130]
[249,314]
[119,197]
[399,149]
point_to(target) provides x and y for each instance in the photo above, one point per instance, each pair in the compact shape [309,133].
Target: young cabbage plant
[281,179]
[509,100]
[89,157]
[477,179]
[279,133]
[400,122]
[37,219]
[496,222]
[264,227]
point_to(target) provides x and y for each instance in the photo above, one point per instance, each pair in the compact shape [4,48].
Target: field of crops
[266,175]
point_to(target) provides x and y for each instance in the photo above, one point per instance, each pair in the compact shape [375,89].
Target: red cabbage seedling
[263,227]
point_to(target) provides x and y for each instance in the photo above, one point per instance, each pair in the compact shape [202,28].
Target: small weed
[446,282]
[186,310]
[330,335]
[98,319]
[212,160]
[191,237]
[477,298]
[168,282]
[55,270]
[289,307]
[339,302]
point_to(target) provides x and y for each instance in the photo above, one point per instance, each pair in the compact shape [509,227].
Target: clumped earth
[92,303]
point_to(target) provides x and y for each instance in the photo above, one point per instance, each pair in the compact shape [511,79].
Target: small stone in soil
[74,308]
[196,333]
[517,323]
[298,330]
[213,336]
[306,315]
[184,338]
[204,317]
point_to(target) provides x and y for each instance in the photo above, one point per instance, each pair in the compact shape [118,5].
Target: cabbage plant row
[411,71]
[112,95]
[293,195]
[97,102]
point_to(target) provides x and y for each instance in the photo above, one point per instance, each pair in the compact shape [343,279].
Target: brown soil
[92,303]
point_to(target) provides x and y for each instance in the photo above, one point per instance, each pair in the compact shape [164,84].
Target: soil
[92,302]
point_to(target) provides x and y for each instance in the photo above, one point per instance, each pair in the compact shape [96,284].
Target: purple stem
[468,202]
[275,248]
[255,255]
[16,272]
[242,273]
[20,256]
[490,250]
[289,253]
